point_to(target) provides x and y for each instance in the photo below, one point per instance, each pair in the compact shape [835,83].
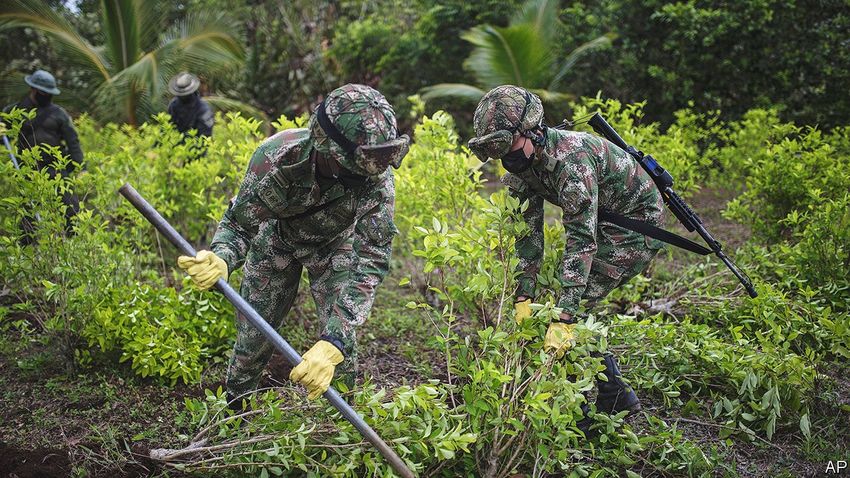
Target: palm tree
[140,52]
[523,54]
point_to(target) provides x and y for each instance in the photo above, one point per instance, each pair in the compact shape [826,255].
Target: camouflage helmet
[356,126]
[503,112]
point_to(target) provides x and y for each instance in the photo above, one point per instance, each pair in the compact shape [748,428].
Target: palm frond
[204,43]
[151,19]
[575,55]
[551,97]
[542,15]
[452,90]
[120,23]
[38,15]
[112,100]
[513,55]
[148,74]
[223,103]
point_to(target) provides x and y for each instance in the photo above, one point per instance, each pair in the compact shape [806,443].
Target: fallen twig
[717,425]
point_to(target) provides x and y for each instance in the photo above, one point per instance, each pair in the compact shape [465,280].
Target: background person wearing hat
[582,174]
[320,198]
[188,111]
[52,127]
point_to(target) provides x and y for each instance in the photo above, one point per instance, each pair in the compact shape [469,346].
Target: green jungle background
[111,363]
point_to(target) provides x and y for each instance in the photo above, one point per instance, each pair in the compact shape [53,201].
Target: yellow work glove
[317,369]
[522,310]
[204,269]
[560,337]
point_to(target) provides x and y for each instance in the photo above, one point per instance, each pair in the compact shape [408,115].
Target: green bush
[164,333]
[277,437]
[752,389]
[731,56]
[503,406]
[793,175]
[62,278]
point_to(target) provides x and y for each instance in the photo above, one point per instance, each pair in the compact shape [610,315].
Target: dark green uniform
[52,127]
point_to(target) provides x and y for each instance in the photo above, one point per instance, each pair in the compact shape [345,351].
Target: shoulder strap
[647,229]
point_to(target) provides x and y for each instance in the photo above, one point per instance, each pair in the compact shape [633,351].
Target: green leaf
[805,426]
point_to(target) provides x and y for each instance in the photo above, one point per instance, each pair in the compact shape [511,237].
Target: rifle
[664,181]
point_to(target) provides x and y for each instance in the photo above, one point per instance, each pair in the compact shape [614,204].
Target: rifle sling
[647,229]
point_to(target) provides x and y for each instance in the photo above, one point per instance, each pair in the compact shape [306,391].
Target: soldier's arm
[69,135]
[372,244]
[529,248]
[579,200]
[243,217]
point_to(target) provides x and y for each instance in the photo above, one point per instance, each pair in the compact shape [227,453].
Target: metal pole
[11,154]
[257,321]
[18,167]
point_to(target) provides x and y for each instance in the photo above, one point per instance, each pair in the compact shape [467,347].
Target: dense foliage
[499,406]
[707,55]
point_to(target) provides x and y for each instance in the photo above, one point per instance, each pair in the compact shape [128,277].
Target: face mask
[516,161]
[42,99]
[330,169]
[188,98]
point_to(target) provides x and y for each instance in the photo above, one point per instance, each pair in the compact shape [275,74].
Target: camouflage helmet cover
[503,112]
[368,141]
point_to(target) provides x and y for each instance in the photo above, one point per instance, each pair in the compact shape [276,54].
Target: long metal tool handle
[257,321]
[17,165]
[11,154]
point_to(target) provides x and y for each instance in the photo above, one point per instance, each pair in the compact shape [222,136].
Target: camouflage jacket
[582,174]
[280,185]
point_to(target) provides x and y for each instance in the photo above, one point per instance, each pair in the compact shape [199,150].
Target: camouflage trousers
[621,254]
[271,277]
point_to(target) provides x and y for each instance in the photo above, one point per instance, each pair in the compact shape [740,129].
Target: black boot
[235,404]
[614,395]
[584,424]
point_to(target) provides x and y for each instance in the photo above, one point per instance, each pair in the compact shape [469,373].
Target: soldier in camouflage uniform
[585,176]
[319,198]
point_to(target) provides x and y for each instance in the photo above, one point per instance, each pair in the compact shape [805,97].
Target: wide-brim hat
[183,84]
[42,81]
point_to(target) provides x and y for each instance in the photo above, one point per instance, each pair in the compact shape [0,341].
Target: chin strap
[332,132]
